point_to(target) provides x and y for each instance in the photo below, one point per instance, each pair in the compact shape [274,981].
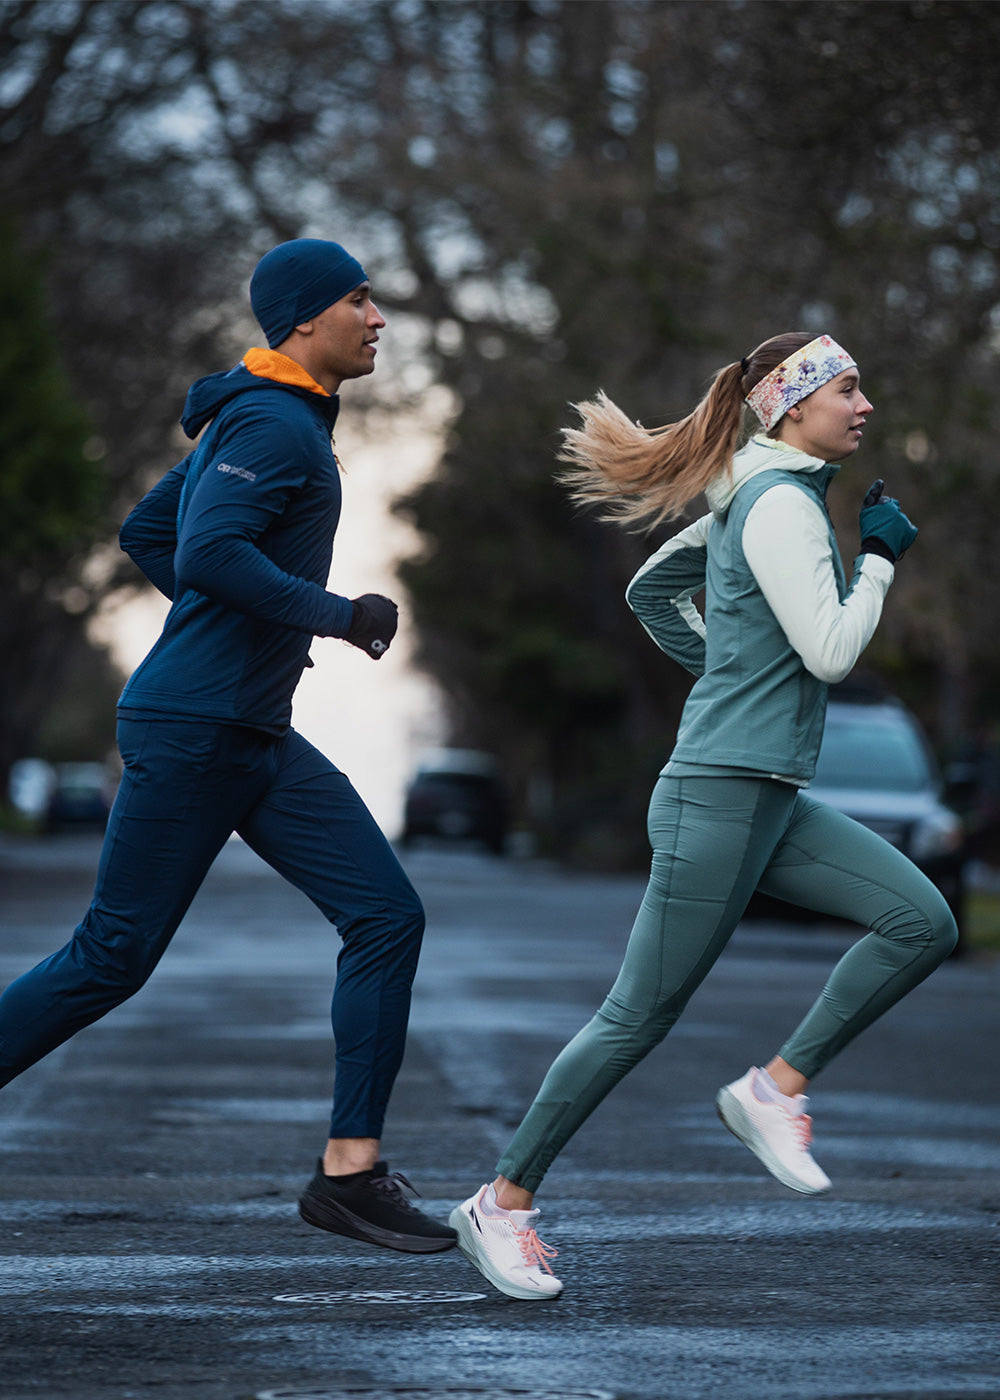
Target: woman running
[728,814]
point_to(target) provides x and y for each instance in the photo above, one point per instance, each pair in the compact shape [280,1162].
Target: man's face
[344,337]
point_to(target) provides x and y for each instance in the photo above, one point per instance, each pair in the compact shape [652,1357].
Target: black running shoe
[372,1206]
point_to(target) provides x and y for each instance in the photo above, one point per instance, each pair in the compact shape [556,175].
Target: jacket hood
[761,454]
[263,370]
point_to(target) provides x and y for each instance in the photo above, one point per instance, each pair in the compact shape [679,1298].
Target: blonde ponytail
[644,476]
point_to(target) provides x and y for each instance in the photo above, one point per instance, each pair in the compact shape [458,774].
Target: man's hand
[373,625]
[885,530]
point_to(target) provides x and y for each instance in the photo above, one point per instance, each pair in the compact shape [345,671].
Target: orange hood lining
[269,364]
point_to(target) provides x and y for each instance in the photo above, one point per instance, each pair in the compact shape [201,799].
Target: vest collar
[764,454]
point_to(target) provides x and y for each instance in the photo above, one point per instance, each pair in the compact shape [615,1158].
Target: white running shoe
[505,1249]
[778,1133]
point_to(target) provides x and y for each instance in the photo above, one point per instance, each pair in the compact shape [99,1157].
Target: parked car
[876,765]
[458,795]
[81,795]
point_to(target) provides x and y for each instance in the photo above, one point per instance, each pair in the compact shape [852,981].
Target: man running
[240,536]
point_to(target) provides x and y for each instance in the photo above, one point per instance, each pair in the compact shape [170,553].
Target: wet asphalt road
[149,1169]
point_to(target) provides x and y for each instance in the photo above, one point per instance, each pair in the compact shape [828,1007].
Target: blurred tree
[103,168]
[106,160]
[52,491]
[585,265]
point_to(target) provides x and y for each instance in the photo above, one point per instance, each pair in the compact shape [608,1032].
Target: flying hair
[644,476]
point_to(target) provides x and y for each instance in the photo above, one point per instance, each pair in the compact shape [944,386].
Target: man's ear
[306,328]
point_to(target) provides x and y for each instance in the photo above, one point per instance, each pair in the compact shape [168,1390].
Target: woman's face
[829,423]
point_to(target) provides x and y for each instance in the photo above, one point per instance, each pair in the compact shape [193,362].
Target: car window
[453,782]
[864,751]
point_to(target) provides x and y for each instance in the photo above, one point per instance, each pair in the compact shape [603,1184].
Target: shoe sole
[735,1117]
[340,1221]
[459,1222]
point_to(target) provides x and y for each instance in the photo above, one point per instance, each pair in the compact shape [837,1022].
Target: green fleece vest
[756,707]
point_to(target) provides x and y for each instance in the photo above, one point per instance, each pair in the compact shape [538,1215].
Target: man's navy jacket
[240,537]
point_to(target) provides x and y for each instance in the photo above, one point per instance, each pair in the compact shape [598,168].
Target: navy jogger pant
[186,786]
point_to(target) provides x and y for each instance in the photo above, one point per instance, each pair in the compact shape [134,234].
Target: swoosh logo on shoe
[474,1219]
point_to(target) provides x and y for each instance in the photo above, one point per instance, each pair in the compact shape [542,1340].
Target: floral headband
[797,377]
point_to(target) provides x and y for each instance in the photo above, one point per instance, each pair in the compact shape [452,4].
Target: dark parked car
[459,795]
[876,766]
[81,795]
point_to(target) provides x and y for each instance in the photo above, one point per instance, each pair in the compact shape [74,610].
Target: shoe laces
[392,1187]
[802,1125]
[535,1251]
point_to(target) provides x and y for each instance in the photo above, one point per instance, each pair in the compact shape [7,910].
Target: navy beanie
[297,280]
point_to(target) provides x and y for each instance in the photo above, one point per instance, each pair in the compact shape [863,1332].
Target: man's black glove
[885,530]
[373,625]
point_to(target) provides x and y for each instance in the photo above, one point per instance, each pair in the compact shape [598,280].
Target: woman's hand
[885,530]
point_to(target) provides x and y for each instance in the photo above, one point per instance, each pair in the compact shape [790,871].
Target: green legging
[715,840]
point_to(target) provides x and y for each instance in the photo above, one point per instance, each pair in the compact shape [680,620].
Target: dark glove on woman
[885,530]
[373,624]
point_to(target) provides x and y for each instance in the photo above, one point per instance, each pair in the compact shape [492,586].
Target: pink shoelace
[535,1251]
[802,1124]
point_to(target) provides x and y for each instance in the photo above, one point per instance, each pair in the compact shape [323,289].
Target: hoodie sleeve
[247,481]
[661,592]
[786,542]
[149,532]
